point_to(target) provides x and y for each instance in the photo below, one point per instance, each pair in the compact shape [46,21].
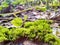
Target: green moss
[28,24]
[0,8]
[41,8]
[17,22]
[52,39]
[39,29]
[4,4]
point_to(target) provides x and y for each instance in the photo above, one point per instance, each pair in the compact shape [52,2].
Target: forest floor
[32,16]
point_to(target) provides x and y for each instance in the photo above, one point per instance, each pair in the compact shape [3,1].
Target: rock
[58,34]
[54,28]
[10,43]
[28,43]
[56,25]
[44,17]
[35,13]
[54,31]
[37,16]
[20,44]
[1,43]
[20,7]
[52,14]
[7,10]
[45,44]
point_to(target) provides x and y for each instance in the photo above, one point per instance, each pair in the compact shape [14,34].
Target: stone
[35,13]
[55,25]
[28,43]
[38,16]
[45,44]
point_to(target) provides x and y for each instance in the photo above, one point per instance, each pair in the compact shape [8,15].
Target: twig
[14,13]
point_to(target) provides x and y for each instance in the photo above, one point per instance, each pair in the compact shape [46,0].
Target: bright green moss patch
[41,8]
[39,29]
[17,22]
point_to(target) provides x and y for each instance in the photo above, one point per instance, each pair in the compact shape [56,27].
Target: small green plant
[41,8]
[4,4]
[55,3]
[17,33]
[1,8]
[28,24]
[3,34]
[17,22]
[52,39]
[39,29]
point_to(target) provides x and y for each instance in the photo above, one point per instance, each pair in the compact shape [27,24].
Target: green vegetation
[3,33]
[17,22]
[48,4]
[52,40]
[41,8]
[39,29]
[3,5]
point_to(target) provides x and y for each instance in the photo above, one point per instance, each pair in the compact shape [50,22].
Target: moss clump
[41,8]
[39,29]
